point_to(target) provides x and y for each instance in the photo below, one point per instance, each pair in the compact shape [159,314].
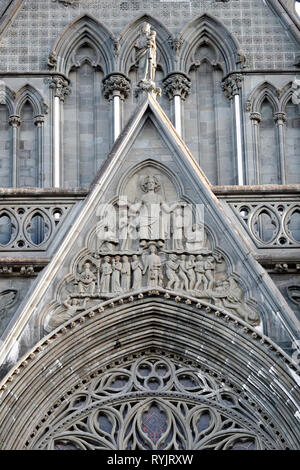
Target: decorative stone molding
[52,60]
[280,118]
[60,86]
[116,84]
[232,85]
[39,120]
[177,84]
[255,117]
[14,120]
[175,43]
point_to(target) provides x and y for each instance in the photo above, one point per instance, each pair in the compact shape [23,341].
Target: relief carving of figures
[106,231]
[153,266]
[183,274]
[137,271]
[200,274]
[116,274]
[106,271]
[86,278]
[152,212]
[229,295]
[72,307]
[172,266]
[145,57]
[126,274]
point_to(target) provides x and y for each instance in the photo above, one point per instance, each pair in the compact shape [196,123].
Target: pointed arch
[264,91]
[7,97]
[84,31]
[33,96]
[64,364]
[129,36]
[208,30]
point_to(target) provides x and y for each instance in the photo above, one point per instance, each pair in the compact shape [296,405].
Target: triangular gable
[251,293]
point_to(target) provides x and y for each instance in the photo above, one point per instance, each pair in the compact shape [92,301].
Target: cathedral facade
[149,225]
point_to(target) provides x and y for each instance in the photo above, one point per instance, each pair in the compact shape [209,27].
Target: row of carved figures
[119,274]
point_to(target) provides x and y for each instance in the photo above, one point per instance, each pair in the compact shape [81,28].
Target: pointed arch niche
[84,54]
[28,138]
[291,135]
[6,162]
[208,54]
[267,135]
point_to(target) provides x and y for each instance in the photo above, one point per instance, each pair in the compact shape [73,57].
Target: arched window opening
[269,152]
[292,144]
[208,125]
[5,148]
[86,132]
[27,161]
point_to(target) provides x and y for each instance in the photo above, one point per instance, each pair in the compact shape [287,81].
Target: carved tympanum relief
[149,238]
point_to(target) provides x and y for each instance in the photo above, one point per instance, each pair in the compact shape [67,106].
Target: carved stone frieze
[116,84]
[177,84]
[232,85]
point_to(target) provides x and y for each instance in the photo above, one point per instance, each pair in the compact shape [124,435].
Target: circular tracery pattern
[151,404]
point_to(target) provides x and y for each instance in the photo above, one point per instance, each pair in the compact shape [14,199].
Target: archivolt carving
[153,403]
[150,237]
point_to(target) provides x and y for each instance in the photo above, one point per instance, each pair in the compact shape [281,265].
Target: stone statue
[209,267]
[200,274]
[87,278]
[153,266]
[115,277]
[182,274]
[171,268]
[106,271]
[145,58]
[137,269]
[152,209]
[190,265]
[177,229]
[126,274]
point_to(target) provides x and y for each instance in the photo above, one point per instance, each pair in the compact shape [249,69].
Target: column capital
[14,120]
[39,120]
[116,84]
[280,118]
[177,84]
[255,117]
[232,85]
[60,86]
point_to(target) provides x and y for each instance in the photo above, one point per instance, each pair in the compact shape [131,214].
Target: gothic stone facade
[149,224]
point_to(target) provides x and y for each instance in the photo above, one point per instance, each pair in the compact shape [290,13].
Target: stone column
[39,122]
[15,122]
[177,86]
[60,90]
[280,120]
[231,88]
[256,118]
[116,88]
